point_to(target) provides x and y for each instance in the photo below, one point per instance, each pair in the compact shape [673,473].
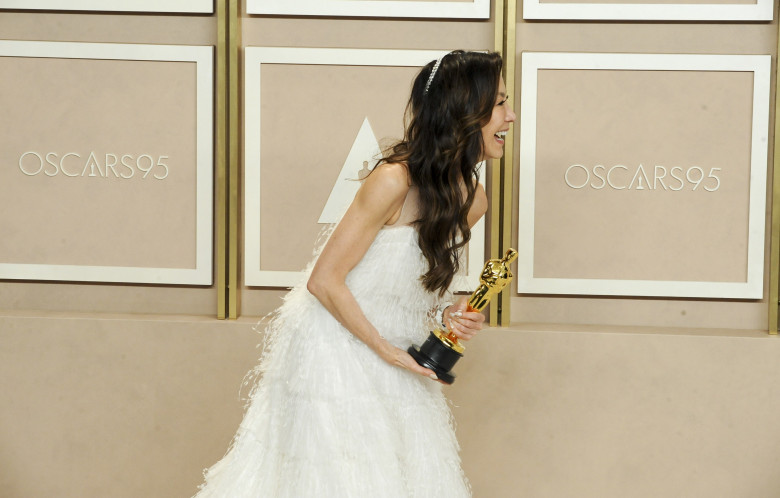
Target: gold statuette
[441,350]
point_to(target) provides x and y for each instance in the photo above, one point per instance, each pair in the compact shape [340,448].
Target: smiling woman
[453,116]
[494,132]
[341,409]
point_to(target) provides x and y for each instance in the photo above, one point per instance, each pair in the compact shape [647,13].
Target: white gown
[328,418]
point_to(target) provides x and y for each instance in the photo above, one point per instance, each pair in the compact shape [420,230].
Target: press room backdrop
[634,396]
[118,380]
[122,169]
[318,114]
[673,122]
[96,107]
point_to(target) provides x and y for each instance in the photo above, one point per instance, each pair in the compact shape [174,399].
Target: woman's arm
[378,201]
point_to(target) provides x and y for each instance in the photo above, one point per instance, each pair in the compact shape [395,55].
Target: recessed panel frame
[474,9]
[752,288]
[202,56]
[173,6]
[255,58]
[762,10]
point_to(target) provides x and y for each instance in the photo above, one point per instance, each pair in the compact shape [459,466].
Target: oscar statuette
[441,350]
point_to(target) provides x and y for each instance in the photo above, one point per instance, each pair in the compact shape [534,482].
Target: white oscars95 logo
[620,177]
[72,164]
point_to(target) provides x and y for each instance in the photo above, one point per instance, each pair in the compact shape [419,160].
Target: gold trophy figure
[441,350]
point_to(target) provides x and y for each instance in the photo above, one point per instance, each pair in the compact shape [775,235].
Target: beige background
[635,37]
[310,117]
[96,403]
[123,406]
[86,106]
[648,118]
[468,1]
[597,412]
[338,33]
[118,28]
[652,2]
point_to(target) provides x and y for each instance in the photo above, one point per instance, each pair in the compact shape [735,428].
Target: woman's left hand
[465,324]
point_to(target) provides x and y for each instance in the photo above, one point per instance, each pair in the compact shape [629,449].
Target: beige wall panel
[640,312]
[113,204]
[312,115]
[163,6]
[595,412]
[334,138]
[650,226]
[106,298]
[693,38]
[405,9]
[138,406]
[117,406]
[433,1]
[120,28]
[367,33]
[676,38]
[656,2]
[663,10]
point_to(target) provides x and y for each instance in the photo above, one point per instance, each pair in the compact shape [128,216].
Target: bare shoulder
[382,193]
[389,181]
[391,175]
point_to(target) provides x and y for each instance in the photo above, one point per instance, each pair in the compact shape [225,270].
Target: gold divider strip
[234,133]
[495,228]
[498,26]
[495,170]
[774,245]
[220,194]
[510,56]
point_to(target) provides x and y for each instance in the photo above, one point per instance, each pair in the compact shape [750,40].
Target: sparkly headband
[433,73]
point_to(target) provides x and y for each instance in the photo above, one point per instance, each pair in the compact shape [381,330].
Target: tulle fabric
[327,417]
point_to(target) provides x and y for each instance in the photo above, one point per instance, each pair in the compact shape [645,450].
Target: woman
[341,409]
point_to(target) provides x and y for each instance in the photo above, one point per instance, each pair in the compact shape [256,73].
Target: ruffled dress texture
[327,417]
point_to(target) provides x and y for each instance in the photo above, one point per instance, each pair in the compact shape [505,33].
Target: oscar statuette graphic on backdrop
[441,350]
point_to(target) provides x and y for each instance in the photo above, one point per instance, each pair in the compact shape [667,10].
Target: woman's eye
[503,101]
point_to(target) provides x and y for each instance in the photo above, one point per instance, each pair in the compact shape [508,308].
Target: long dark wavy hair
[442,146]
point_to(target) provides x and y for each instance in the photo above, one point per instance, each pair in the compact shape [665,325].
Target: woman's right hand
[400,358]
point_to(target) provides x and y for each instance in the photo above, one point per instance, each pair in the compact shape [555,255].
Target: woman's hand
[400,358]
[465,324]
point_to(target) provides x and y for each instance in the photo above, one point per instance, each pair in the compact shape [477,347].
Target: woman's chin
[495,155]
[498,153]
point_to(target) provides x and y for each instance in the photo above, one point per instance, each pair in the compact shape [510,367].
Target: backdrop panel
[184,6]
[106,162]
[643,175]
[473,9]
[328,127]
[657,10]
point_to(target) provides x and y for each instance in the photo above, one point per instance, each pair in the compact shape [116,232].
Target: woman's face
[494,132]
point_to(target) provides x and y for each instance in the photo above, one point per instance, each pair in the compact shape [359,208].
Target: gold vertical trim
[495,229]
[495,168]
[220,194]
[774,245]
[234,133]
[507,180]
[498,26]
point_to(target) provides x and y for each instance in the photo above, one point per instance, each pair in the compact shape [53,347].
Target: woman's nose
[511,116]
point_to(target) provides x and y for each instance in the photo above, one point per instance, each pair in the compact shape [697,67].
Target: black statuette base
[435,355]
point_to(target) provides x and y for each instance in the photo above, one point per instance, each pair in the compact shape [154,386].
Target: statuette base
[434,354]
